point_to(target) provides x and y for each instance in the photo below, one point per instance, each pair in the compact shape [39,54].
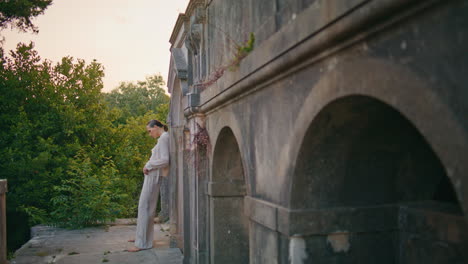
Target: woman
[158,165]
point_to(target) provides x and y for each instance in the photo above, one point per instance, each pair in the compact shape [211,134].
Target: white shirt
[159,155]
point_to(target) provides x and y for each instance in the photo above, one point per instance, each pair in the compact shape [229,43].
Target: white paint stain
[364,47]
[449,172]
[403,45]
[297,250]
[339,241]
[332,64]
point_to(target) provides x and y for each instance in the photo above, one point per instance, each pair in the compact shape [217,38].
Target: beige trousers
[146,209]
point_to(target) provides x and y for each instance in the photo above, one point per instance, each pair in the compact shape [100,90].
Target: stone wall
[340,138]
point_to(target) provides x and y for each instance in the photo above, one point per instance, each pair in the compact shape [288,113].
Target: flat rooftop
[95,245]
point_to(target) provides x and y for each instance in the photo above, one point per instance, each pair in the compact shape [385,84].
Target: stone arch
[373,180]
[371,154]
[229,121]
[229,233]
[402,90]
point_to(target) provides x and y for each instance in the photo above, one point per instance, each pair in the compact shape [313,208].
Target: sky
[129,37]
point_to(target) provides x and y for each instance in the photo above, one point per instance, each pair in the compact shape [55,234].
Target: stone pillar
[187,200]
[164,192]
[179,88]
[202,200]
[229,231]
[197,164]
[195,122]
[175,188]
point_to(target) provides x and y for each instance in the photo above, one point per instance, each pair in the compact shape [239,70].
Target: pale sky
[129,37]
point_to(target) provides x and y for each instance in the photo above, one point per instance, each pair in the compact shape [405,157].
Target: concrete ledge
[432,216]
[406,217]
[262,212]
[346,219]
[284,52]
[226,189]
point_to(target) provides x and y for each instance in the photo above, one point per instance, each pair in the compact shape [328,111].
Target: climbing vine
[198,149]
[201,139]
[241,51]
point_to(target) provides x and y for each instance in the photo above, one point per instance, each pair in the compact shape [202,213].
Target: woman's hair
[158,123]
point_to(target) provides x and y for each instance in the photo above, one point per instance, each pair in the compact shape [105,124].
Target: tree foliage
[136,99]
[48,112]
[132,105]
[88,194]
[72,155]
[18,13]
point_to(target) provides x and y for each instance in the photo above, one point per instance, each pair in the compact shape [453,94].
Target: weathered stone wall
[349,121]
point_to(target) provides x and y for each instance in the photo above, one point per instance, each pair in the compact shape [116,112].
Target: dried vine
[198,155]
[241,52]
[201,139]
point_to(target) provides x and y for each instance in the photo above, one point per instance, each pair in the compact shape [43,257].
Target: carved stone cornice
[194,38]
[180,63]
[193,5]
[198,16]
[181,19]
[194,13]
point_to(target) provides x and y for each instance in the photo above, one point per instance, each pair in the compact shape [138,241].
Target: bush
[91,194]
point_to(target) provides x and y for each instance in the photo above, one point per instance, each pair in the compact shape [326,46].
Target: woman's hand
[145,171]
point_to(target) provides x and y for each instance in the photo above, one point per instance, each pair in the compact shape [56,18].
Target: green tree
[18,13]
[132,105]
[136,99]
[89,194]
[48,113]
[131,148]
[72,155]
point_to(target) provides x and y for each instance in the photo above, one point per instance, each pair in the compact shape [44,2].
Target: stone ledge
[226,189]
[404,217]
[349,219]
[262,212]
[330,33]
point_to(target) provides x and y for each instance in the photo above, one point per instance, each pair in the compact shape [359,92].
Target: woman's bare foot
[134,249]
[131,240]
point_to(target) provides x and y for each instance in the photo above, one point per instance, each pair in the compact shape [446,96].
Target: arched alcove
[371,190]
[229,235]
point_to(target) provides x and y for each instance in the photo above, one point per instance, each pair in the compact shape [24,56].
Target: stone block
[261,212]
[226,189]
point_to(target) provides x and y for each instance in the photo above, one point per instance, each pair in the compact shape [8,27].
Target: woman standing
[158,165]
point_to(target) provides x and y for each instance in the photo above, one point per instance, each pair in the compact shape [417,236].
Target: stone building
[341,137]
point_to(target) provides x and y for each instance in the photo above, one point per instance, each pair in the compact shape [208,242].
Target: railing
[3,244]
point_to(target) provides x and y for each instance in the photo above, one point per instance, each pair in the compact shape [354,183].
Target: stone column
[229,232]
[197,172]
[164,191]
[187,234]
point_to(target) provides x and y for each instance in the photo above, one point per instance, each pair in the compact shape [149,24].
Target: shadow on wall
[229,241]
[372,179]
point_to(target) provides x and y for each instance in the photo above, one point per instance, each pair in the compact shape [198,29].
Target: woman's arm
[163,160]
